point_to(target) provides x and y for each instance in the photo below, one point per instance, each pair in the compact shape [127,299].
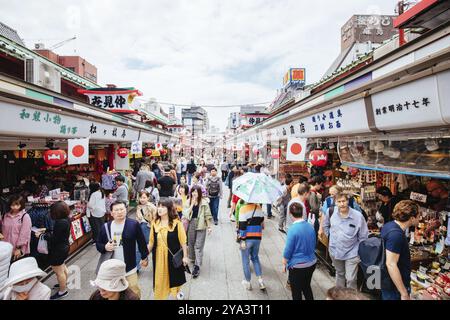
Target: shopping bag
[42,246]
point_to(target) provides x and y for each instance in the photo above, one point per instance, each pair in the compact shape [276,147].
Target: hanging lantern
[275,153]
[148,152]
[318,158]
[122,152]
[55,157]
[163,152]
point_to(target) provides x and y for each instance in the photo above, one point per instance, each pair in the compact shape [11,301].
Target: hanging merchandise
[122,152]
[136,147]
[318,158]
[78,151]
[76,229]
[55,157]
[148,152]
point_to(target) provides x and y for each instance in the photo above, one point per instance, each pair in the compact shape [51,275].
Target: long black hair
[94,187]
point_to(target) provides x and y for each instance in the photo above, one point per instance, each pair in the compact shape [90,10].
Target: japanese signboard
[349,118]
[35,122]
[119,101]
[412,105]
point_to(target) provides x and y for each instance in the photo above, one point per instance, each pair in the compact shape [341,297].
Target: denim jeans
[251,253]
[146,230]
[189,178]
[392,294]
[178,178]
[214,206]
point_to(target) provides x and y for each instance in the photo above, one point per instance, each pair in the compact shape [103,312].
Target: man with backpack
[345,228]
[215,191]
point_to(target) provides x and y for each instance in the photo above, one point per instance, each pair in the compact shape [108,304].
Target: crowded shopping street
[134,166]
[220,276]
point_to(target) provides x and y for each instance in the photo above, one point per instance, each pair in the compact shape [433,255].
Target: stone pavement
[221,273]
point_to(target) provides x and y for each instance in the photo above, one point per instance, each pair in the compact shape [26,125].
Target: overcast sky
[194,51]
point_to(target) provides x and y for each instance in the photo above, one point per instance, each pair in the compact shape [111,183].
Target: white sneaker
[247,284]
[261,284]
[180,296]
[232,218]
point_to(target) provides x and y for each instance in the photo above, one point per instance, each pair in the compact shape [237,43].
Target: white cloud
[207,52]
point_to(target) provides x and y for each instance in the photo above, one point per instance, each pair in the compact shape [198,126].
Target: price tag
[439,247]
[370,189]
[418,197]
[6,190]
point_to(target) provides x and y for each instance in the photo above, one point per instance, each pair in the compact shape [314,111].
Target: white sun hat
[24,269]
[111,276]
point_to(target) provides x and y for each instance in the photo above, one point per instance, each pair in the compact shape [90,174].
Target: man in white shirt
[122,237]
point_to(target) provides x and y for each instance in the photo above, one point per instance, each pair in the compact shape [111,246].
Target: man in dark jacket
[121,236]
[191,169]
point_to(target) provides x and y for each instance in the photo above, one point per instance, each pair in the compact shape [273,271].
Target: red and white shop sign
[296,149]
[78,151]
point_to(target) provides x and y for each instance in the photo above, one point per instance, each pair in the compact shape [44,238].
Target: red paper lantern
[55,157]
[275,153]
[163,152]
[148,152]
[122,152]
[318,158]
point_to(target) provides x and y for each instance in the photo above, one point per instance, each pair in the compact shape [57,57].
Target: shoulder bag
[177,258]
[108,254]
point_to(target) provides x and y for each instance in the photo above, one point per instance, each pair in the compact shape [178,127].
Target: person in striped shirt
[251,224]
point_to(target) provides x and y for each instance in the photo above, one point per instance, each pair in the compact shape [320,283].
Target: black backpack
[372,253]
[214,188]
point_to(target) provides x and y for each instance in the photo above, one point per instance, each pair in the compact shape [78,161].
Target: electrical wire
[210,106]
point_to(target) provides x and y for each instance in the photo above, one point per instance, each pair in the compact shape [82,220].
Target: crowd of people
[177,206]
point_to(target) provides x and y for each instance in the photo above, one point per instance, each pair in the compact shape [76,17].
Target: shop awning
[427,14]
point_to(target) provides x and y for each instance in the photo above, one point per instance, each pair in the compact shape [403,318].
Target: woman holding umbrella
[254,189]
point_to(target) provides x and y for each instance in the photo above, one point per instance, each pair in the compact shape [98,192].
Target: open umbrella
[257,188]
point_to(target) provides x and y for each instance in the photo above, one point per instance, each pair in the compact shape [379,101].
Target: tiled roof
[11,34]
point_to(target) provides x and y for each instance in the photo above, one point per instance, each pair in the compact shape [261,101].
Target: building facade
[195,119]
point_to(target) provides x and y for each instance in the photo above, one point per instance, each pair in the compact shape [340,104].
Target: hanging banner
[113,99]
[296,149]
[78,151]
[136,147]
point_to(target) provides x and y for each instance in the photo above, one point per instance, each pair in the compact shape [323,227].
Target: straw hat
[24,269]
[111,276]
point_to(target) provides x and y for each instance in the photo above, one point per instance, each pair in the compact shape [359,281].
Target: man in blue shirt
[396,284]
[346,228]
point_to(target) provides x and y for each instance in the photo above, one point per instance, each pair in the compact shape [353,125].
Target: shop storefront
[35,135]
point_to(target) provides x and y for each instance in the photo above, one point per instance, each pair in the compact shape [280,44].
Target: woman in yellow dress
[166,233]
